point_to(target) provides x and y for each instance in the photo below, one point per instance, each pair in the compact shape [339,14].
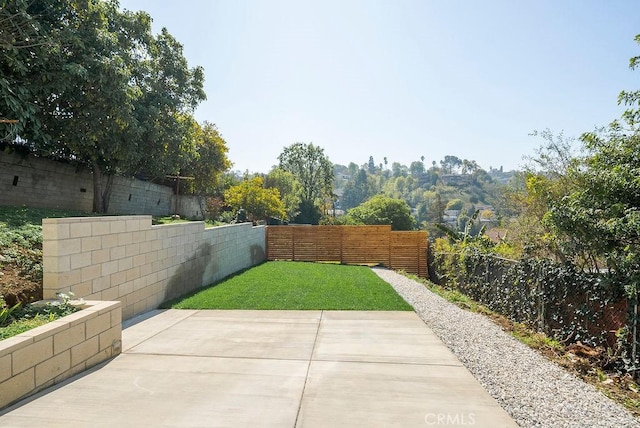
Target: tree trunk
[102,185]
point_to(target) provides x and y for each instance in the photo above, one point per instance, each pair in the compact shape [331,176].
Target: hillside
[452,189]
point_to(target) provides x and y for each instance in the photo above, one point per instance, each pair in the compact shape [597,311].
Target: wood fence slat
[406,250]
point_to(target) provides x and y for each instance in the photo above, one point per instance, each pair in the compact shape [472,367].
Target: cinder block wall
[189,207]
[125,258]
[48,354]
[38,182]
[131,196]
[44,183]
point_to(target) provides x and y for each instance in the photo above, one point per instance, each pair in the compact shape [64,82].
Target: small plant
[17,320]
[54,309]
[6,311]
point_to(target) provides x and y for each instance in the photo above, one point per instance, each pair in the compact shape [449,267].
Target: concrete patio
[189,368]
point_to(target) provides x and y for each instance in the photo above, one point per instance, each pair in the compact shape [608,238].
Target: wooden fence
[402,250]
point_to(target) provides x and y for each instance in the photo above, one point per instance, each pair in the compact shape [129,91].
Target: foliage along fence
[402,250]
[557,299]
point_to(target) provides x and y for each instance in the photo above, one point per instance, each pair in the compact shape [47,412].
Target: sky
[403,79]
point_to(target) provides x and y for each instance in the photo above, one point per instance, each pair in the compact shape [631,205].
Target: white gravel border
[533,390]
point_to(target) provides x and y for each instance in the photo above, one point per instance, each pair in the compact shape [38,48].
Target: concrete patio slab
[269,369]
[217,334]
[406,395]
[151,323]
[159,390]
[399,337]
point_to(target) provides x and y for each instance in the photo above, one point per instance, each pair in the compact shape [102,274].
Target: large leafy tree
[450,163]
[312,168]
[383,210]
[100,89]
[258,202]
[416,168]
[30,34]
[209,160]
[601,213]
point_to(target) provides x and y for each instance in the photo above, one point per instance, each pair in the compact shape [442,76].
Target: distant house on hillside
[450,217]
[456,179]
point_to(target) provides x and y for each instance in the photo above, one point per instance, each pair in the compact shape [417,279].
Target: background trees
[383,210]
[207,163]
[450,163]
[258,202]
[357,190]
[426,191]
[313,170]
[290,190]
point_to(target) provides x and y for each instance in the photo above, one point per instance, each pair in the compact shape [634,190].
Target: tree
[469,167]
[258,202]
[449,163]
[356,191]
[309,213]
[107,93]
[398,170]
[487,215]
[631,98]
[29,38]
[353,169]
[416,168]
[383,210]
[289,188]
[531,194]
[602,214]
[371,165]
[555,156]
[208,163]
[436,209]
[312,168]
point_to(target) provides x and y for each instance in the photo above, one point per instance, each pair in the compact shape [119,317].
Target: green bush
[383,210]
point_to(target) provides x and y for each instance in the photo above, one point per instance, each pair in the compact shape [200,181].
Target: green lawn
[298,285]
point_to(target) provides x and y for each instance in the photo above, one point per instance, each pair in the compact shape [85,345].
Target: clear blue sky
[403,79]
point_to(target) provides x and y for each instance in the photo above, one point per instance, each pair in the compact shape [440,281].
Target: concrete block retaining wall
[127,259]
[58,350]
[38,182]
[44,183]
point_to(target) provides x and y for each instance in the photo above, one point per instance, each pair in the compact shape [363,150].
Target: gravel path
[533,390]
